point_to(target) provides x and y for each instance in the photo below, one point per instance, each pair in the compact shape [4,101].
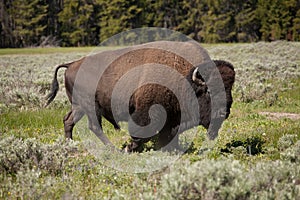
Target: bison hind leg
[70,119]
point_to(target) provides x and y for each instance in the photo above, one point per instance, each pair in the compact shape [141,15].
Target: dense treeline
[88,22]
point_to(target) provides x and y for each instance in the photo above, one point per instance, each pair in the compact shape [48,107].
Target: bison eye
[201,90]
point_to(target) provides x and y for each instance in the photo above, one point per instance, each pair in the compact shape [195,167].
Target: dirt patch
[280,115]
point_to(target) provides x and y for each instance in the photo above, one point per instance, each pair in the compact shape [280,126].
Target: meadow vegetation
[255,156]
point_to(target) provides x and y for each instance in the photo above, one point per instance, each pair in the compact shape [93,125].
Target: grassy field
[256,156]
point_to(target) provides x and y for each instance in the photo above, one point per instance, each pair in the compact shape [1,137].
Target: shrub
[286,141]
[206,179]
[31,184]
[292,153]
[228,179]
[18,154]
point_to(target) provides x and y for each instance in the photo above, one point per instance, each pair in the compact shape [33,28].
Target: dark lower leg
[68,125]
[136,144]
[168,140]
[70,120]
[96,127]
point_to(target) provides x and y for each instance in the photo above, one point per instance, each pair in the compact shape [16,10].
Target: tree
[276,18]
[117,16]
[296,27]
[87,22]
[164,13]
[247,22]
[53,26]
[78,23]
[29,21]
[6,29]
[192,23]
[219,22]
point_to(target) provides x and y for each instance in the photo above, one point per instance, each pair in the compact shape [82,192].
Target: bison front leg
[95,125]
[70,120]
[136,145]
[139,134]
[168,140]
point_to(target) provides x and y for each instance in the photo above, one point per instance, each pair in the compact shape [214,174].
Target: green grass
[45,124]
[291,97]
[38,118]
[50,50]
[32,51]
[243,125]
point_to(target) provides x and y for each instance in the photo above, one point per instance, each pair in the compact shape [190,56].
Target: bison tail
[54,86]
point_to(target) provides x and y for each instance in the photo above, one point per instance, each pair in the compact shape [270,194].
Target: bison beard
[143,98]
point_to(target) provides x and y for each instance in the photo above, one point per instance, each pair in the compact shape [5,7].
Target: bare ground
[280,115]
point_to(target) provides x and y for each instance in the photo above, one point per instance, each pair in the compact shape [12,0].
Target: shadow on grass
[253,145]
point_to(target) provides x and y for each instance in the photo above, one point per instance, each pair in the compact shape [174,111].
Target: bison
[163,89]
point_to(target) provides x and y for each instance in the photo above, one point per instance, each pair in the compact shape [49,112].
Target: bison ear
[197,78]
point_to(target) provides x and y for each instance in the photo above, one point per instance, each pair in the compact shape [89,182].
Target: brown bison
[161,89]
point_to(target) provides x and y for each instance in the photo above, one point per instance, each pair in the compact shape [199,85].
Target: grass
[45,125]
[52,50]
[34,51]
[254,157]
[291,102]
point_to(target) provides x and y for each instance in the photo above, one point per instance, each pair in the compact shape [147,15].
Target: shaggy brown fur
[143,98]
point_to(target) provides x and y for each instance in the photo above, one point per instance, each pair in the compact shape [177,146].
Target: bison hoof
[127,150]
[133,147]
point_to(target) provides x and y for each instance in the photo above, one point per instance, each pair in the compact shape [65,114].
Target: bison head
[214,98]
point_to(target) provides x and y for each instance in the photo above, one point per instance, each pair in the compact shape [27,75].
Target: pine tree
[219,22]
[192,24]
[29,21]
[77,22]
[292,20]
[247,22]
[6,25]
[296,27]
[118,16]
[167,13]
[53,26]
[87,22]
[277,18]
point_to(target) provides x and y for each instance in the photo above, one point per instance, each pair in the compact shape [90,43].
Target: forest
[30,23]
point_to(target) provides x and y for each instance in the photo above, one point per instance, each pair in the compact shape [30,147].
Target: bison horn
[196,79]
